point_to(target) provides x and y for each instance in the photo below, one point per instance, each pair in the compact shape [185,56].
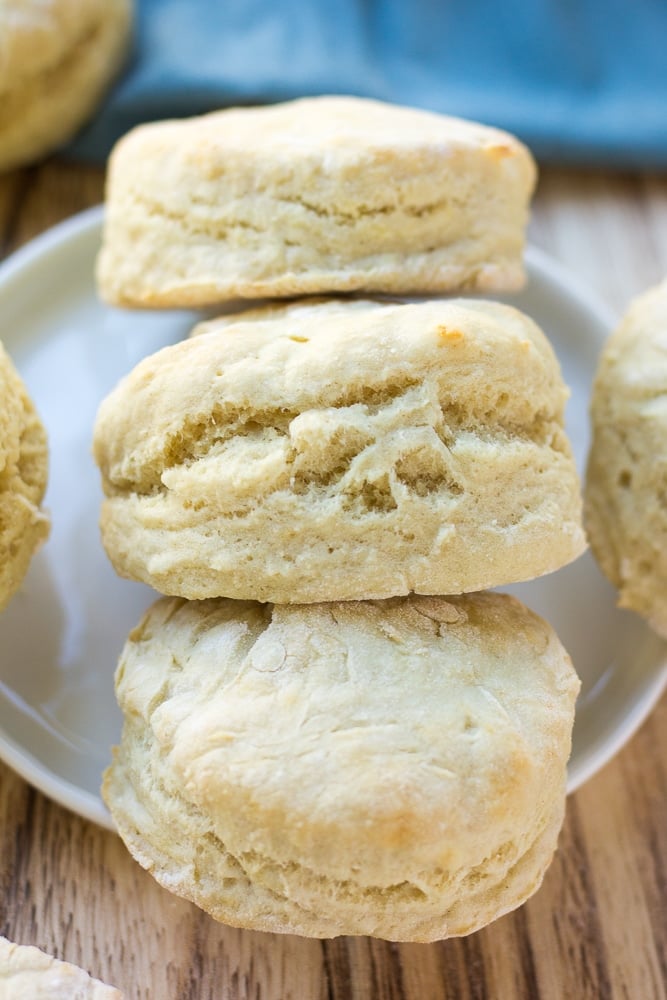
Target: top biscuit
[56,59]
[319,195]
[626,516]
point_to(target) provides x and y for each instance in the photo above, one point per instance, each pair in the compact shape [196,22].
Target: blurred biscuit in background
[626,482]
[57,59]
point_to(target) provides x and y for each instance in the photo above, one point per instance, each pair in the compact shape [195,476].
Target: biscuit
[389,768]
[23,474]
[360,453]
[626,483]
[57,57]
[328,194]
[26,973]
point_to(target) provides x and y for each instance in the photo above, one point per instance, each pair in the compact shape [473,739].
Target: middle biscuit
[361,452]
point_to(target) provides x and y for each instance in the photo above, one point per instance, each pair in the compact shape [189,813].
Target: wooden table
[598,927]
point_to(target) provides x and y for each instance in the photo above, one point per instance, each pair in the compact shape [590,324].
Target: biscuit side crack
[201,437]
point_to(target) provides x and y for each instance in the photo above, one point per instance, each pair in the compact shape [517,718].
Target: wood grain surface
[597,928]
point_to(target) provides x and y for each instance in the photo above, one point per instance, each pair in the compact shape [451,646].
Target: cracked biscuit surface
[626,482]
[57,58]
[23,473]
[337,455]
[26,973]
[392,768]
[328,194]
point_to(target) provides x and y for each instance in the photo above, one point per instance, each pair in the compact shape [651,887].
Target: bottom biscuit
[391,768]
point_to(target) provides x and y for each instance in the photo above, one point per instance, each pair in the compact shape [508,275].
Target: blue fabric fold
[581,81]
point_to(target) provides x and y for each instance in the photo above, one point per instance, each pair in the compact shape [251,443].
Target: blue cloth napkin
[578,80]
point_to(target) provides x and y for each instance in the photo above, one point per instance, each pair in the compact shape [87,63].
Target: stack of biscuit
[316,740]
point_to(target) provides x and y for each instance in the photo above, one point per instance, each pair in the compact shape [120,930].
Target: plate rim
[53,785]
[82,802]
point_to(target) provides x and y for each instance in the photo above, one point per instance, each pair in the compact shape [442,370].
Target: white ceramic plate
[61,634]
